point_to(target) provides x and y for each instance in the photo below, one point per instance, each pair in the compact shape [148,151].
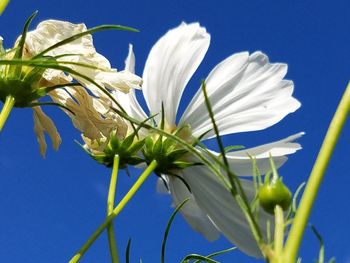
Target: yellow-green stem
[3,4]
[303,212]
[115,212]
[110,205]
[279,232]
[6,109]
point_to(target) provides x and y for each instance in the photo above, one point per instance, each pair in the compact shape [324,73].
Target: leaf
[219,253]
[87,32]
[57,104]
[19,51]
[166,233]
[198,257]
[233,148]
[296,195]
[127,252]
[320,239]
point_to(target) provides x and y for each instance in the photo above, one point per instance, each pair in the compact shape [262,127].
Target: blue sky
[50,207]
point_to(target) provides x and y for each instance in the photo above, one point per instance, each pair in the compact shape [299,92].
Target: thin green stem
[303,212]
[5,112]
[110,205]
[115,212]
[235,188]
[279,232]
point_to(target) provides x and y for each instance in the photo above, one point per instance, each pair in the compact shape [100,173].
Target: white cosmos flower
[81,50]
[247,93]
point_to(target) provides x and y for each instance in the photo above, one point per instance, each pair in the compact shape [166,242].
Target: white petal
[43,124]
[2,50]
[170,65]
[162,185]
[129,101]
[241,163]
[50,32]
[214,199]
[130,60]
[245,95]
[194,216]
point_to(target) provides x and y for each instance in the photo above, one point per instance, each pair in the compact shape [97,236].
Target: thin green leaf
[198,257]
[320,239]
[234,181]
[219,253]
[59,86]
[233,148]
[19,51]
[296,195]
[216,129]
[87,32]
[127,252]
[48,64]
[37,104]
[166,233]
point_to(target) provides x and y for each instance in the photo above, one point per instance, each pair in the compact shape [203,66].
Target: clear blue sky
[49,207]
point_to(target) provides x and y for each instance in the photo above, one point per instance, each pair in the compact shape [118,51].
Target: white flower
[81,50]
[247,93]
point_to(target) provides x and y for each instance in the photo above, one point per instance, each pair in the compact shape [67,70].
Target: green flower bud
[273,194]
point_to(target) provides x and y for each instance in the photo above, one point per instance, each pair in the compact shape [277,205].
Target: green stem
[315,179]
[279,232]
[115,212]
[5,112]
[110,205]
[3,5]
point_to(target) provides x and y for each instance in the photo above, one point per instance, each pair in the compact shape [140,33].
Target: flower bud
[273,194]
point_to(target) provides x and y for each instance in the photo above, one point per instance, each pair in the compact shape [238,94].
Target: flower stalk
[110,205]
[303,212]
[5,112]
[115,212]
[279,232]
[3,4]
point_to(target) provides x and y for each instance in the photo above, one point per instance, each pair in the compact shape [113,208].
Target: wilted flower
[53,63]
[247,93]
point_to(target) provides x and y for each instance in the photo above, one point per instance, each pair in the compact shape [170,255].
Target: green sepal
[182,164]
[176,154]
[158,147]
[127,142]
[137,146]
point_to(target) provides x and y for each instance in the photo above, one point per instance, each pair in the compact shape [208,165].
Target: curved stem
[115,212]
[110,205]
[5,112]
[315,179]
